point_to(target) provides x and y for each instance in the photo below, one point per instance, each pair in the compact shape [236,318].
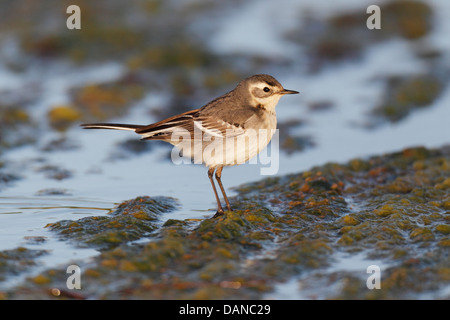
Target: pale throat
[269,103]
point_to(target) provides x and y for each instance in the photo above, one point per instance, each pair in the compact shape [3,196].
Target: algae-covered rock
[131,220]
[344,35]
[61,116]
[386,208]
[103,101]
[407,93]
[16,126]
[410,19]
[15,261]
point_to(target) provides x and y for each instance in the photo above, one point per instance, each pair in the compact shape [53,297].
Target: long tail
[161,130]
[114,126]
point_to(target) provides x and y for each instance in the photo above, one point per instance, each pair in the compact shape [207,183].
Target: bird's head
[264,91]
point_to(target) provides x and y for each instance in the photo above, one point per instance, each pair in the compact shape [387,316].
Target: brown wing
[163,130]
[189,122]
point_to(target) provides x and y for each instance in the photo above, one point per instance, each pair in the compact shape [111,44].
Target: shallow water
[99,180]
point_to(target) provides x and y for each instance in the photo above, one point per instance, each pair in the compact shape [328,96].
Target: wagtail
[229,130]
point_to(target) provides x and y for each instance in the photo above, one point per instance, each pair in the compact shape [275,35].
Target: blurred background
[363,92]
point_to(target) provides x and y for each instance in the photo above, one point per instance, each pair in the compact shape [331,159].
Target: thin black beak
[286,91]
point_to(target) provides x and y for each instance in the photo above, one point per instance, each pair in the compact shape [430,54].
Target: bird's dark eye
[266,89]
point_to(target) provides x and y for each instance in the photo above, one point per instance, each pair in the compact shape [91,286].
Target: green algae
[404,94]
[100,101]
[158,46]
[15,126]
[158,53]
[291,143]
[410,19]
[359,208]
[344,36]
[16,261]
[61,117]
[131,220]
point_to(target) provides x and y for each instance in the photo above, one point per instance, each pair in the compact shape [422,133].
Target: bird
[227,131]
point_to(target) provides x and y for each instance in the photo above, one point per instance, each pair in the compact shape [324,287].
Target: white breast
[238,149]
[227,147]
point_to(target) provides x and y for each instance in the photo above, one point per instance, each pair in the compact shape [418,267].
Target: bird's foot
[218,214]
[221,213]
